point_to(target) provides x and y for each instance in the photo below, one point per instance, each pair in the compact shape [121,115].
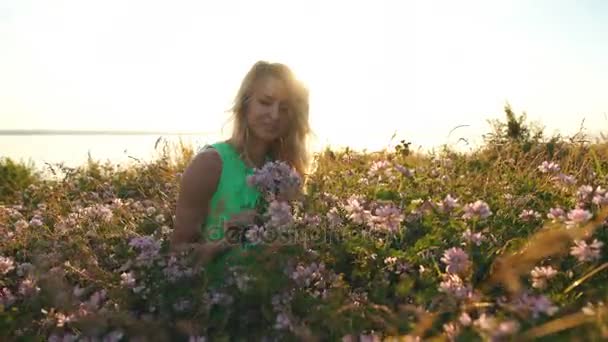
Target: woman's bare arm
[198,184]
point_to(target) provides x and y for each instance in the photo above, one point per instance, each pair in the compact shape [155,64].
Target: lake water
[74,150]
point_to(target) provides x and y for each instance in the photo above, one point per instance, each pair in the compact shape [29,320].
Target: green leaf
[404,287]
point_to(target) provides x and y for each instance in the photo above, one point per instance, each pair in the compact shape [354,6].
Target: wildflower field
[507,242]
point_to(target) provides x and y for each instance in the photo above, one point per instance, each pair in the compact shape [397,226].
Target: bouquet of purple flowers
[279,185]
[277,181]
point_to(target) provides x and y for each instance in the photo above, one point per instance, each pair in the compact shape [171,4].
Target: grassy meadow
[507,242]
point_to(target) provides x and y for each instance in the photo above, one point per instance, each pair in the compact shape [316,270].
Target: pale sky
[373,67]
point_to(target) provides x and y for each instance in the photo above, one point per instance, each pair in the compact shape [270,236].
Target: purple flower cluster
[113,336]
[176,270]
[148,248]
[99,212]
[277,180]
[540,276]
[24,269]
[128,279]
[182,305]
[281,304]
[378,166]
[600,199]
[36,221]
[529,215]
[6,264]
[314,278]
[586,195]
[454,286]
[577,217]
[473,238]
[94,303]
[28,287]
[255,233]
[11,212]
[387,218]
[549,167]
[64,224]
[6,297]
[556,215]
[564,179]
[451,331]
[457,265]
[217,297]
[237,276]
[356,212]
[333,217]
[328,198]
[494,330]
[63,338]
[600,196]
[586,252]
[592,309]
[584,192]
[395,266]
[357,297]
[381,169]
[311,220]
[279,214]
[448,204]
[456,260]
[534,305]
[409,173]
[479,210]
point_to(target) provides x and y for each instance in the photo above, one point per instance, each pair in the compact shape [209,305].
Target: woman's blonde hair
[293,147]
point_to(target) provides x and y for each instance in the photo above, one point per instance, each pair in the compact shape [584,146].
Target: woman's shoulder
[222,148]
[206,162]
[201,177]
[208,154]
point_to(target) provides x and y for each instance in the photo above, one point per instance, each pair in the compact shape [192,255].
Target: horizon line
[93,132]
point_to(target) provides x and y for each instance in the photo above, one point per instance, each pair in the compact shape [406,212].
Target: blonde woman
[270,116]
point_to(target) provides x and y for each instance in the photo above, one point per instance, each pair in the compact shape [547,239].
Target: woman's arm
[198,184]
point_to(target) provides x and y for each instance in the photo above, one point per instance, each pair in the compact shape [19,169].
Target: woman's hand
[204,252]
[243,218]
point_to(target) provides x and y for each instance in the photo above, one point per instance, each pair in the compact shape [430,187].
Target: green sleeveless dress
[232,196]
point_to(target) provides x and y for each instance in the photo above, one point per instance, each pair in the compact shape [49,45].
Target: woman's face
[267,112]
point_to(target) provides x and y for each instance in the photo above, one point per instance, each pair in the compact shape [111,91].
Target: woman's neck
[254,152]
